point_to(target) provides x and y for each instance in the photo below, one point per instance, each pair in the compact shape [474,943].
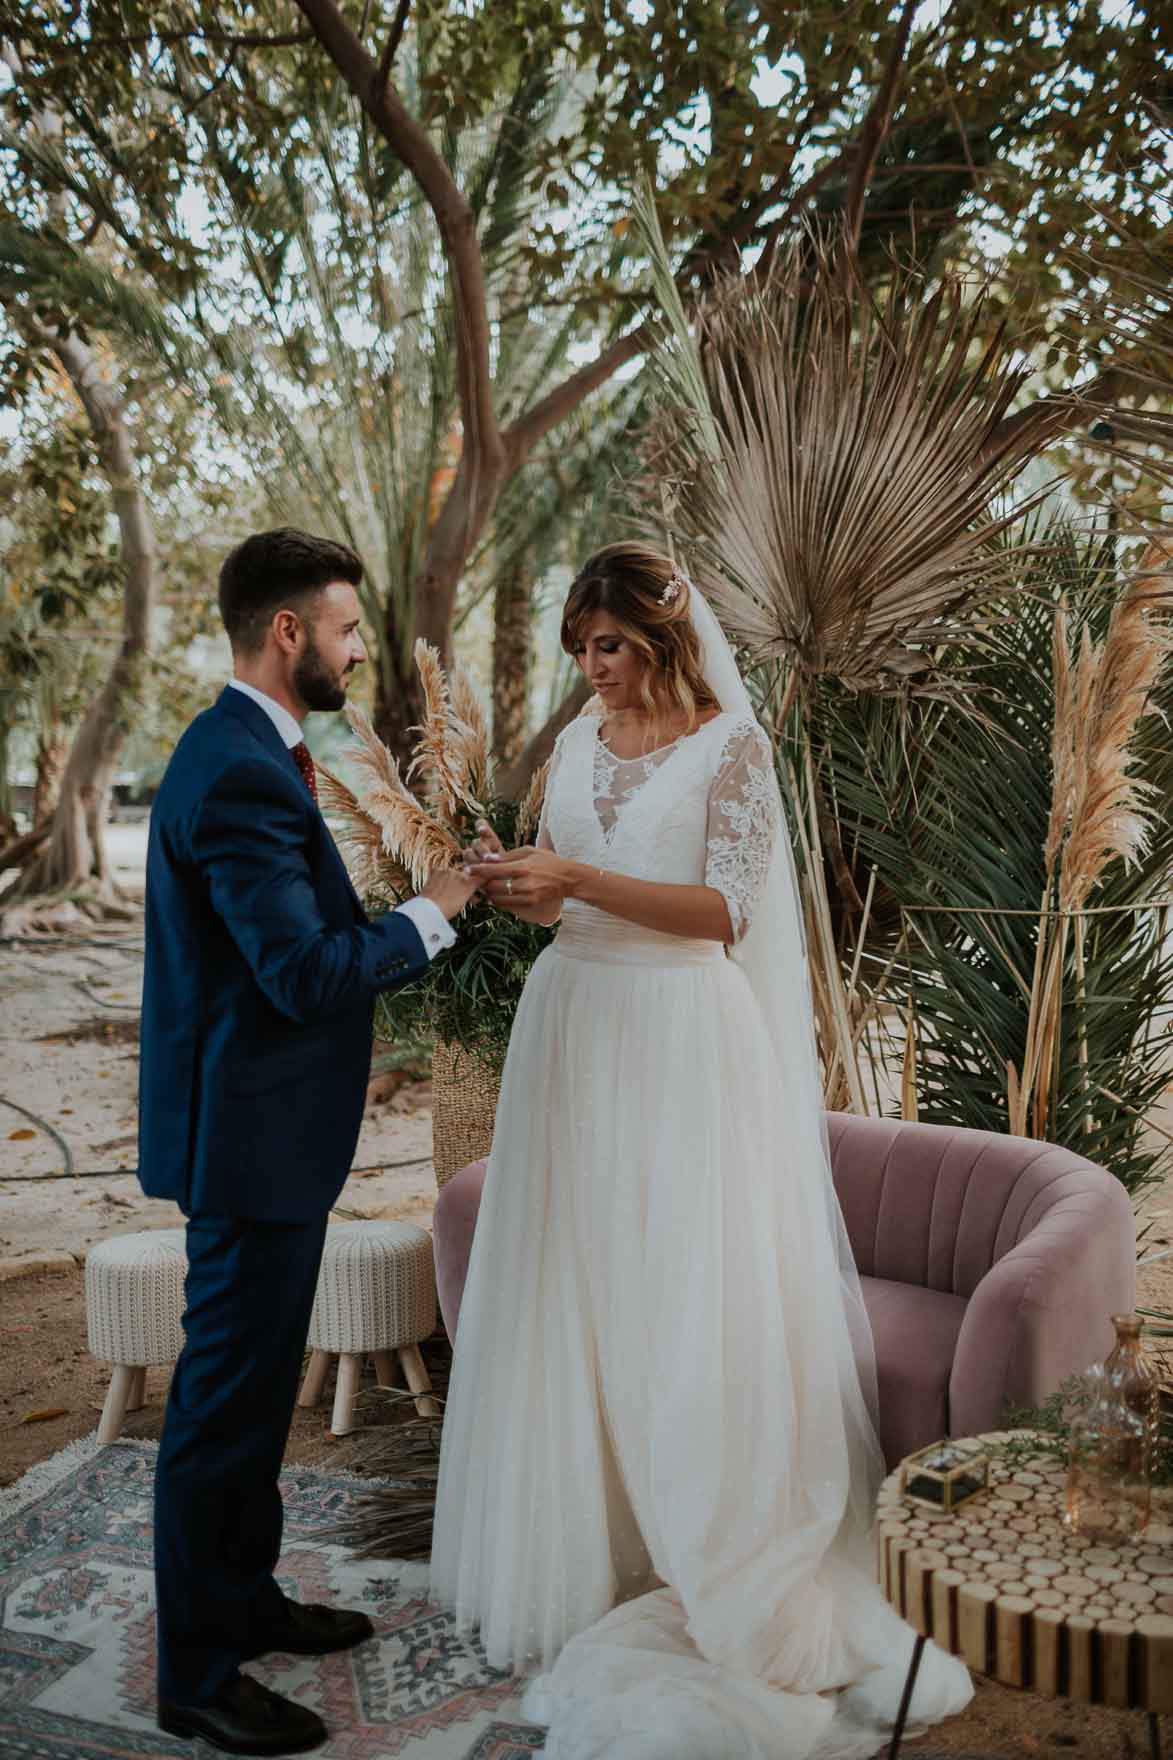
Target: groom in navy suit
[261,973]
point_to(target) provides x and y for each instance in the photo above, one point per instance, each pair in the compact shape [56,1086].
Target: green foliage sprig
[1046,1429]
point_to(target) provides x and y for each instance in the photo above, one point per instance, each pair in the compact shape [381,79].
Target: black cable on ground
[49,1130]
[28,1179]
[83,985]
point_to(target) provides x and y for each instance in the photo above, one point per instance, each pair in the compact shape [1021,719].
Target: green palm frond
[952,814]
[678,361]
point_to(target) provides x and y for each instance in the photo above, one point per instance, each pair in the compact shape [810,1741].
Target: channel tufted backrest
[937,1206]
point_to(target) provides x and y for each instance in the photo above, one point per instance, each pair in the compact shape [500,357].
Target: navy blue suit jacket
[261,973]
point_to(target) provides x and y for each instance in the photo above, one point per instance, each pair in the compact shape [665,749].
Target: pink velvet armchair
[990,1265]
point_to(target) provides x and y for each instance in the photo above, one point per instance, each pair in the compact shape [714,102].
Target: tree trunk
[512,663]
[513,782]
[7,817]
[398,709]
[52,756]
[74,860]
[398,702]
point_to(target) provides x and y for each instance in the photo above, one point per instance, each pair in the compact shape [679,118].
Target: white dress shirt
[431,924]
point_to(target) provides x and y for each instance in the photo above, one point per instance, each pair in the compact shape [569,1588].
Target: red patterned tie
[300,753]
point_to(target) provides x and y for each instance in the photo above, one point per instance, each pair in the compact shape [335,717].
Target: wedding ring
[509,886]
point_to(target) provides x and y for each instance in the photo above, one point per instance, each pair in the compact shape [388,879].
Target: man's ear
[287,631]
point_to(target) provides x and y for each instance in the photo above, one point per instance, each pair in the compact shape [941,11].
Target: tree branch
[22,849]
[801,196]
[1061,414]
[522,436]
[393,42]
[482,459]
[404,134]
[524,433]
[875,128]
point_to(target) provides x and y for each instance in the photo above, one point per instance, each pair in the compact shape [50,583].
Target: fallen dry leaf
[44,1414]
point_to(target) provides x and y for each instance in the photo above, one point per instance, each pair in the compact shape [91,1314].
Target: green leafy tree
[60,573]
[929,136]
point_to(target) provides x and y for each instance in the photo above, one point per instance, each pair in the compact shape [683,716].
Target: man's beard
[315,684]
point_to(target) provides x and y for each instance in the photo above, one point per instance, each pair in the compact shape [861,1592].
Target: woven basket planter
[464,1107]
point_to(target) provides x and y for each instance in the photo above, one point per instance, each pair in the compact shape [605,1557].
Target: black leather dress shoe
[246,1718]
[315,1630]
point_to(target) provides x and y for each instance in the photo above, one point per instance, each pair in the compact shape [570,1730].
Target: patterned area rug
[77,1630]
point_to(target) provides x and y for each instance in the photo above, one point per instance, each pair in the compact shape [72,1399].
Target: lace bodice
[699,812]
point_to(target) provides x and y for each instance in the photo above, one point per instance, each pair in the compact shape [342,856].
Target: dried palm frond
[530,812]
[835,495]
[395,1520]
[1062,739]
[447,746]
[1100,811]
[432,760]
[471,734]
[410,835]
[1108,817]
[361,838]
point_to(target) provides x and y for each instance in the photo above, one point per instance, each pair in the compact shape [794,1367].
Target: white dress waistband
[590,934]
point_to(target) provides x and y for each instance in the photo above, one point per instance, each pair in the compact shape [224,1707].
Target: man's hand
[450,889]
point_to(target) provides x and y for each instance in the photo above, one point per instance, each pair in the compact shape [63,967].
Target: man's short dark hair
[277,571]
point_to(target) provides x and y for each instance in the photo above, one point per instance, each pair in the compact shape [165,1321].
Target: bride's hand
[527,881]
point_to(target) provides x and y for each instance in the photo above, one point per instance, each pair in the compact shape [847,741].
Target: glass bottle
[1108,1472]
[1127,1369]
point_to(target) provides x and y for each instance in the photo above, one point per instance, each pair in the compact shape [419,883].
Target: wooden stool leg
[384,1362]
[418,1380]
[349,1369]
[114,1410]
[138,1391]
[1154,1736]
[315,1379]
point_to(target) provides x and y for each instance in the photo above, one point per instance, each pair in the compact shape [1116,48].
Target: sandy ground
[69,1056]
[69,1007]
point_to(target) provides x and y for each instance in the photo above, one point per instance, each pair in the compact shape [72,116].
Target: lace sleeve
[742,823]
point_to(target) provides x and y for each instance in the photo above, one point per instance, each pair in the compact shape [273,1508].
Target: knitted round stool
[134,1306]
[376,1297]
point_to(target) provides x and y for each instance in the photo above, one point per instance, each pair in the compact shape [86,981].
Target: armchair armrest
[1042,1310]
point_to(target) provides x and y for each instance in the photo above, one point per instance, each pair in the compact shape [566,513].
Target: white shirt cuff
[435,931]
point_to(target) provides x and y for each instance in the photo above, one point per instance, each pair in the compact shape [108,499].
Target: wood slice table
[1002,1583]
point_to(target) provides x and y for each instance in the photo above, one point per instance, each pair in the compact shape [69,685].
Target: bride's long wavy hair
[627,580]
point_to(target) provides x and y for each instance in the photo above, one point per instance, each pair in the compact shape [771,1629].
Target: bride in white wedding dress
[659,1453]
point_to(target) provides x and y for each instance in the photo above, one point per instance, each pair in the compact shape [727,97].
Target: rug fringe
[41,1478]
[44,1476]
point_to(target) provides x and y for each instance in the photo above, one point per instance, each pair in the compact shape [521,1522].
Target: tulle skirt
[649,1484]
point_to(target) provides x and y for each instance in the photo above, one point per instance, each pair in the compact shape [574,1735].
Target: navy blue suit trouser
[218,1515]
